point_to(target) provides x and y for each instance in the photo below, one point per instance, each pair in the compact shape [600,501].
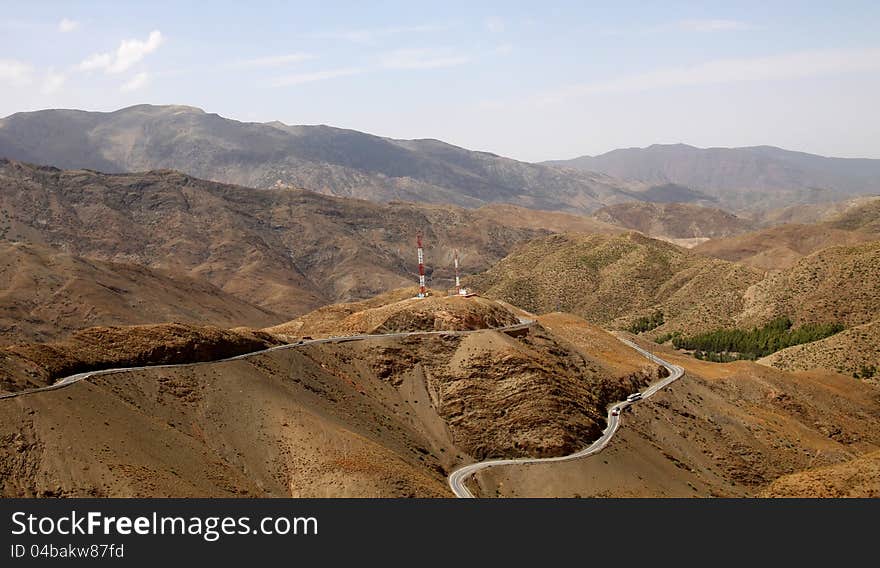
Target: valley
[257,333]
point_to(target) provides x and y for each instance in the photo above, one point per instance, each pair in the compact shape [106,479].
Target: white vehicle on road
[634,397]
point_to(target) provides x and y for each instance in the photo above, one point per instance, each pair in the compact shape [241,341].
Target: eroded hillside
[729,430]
[385,416]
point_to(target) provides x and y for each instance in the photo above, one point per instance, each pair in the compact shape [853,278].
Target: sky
[530,80]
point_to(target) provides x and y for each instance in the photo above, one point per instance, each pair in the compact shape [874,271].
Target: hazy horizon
[569,80]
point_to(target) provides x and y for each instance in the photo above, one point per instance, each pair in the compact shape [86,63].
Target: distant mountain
[284,250]
[759,177]
[327,160]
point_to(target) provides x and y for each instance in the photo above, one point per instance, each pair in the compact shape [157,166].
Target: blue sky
[529,80]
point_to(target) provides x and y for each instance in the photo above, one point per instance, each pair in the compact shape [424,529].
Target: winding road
[72,379]
[458,477]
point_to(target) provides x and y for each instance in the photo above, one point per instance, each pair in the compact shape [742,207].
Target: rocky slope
[839,284]
[29,365]
[45,294]
[329,160]
[848,352]
[383,417]
[781,246]
[857,478]
[673,220]
[284,250]
[398,311]
[724,430]
[613,280]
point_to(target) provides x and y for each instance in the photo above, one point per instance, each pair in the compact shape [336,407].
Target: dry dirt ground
[392,417]
[387,417]
[736,429]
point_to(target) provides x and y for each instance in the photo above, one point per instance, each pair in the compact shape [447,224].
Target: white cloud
[67,25]
[372,34]
[129,52]
[274,60]
[15,73]
[301,78]
[422,59]
[768,68]
[53,81]
[135,83]
[714,25]
[495,25]
[96,61]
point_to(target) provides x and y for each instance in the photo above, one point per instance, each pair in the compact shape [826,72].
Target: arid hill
[857,478]
[807,214]
[779,247]
[613,280]
[840,284]
[45,294]
[398,311]
[673,220]
[285,250]
[849,352]
[324,159]
[724,430]
[379,417]
[29,365]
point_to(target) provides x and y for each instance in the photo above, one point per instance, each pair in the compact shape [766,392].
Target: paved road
[72,379]
[458,477]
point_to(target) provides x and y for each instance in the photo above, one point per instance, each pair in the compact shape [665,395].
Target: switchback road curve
[458,477]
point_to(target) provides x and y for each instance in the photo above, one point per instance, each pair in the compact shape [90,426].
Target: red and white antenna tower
[457,274]
[421,268]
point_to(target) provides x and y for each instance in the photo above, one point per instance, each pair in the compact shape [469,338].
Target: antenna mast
[457,274]
[421,268]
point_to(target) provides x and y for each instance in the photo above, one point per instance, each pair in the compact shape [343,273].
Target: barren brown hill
[29,365]
[857,478]
[673,220]
[809,214]
[285,250]
[836,284]
[45,294]
[398,311]
[848,352]
[613,280]
[384,417]
[779,247]
[731,430]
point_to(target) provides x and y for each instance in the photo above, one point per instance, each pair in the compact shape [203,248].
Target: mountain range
[348,163]
[277,251]
[324,159]
[739,178]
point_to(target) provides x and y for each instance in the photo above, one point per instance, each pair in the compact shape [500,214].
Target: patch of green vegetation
[731,344]
[647,323]
[866,372]
[661,339]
